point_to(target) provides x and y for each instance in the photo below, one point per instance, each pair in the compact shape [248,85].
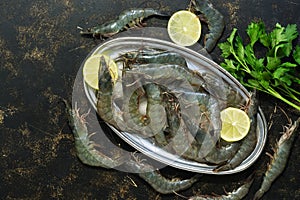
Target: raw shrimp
[157,181]
[104,93]
[147,56]
[156,113]
[213,18]
[237,194]
[279,159]
[219,155]
[127,19]
[86,151]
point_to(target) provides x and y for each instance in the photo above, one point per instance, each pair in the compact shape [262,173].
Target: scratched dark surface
[41,52]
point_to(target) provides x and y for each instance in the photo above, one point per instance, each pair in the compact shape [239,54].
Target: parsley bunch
[274,73]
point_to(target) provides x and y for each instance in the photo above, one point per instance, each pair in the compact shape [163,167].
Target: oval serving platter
[196,61]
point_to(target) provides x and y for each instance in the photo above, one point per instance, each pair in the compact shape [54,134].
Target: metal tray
[196,61]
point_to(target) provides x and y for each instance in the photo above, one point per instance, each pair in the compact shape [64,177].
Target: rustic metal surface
[41,52]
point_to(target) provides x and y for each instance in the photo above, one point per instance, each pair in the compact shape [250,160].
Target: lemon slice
[184,28]
[235,124]
[91,68]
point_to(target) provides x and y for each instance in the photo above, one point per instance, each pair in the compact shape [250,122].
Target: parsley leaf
[296,54]
[255,31]
[274,73]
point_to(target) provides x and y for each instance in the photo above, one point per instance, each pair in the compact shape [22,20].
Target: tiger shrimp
[214,19]
[137,116]
[156,180]
[147,56]
[183,139]
[237,194]
[210,123]
[218,153]
[170,74]
[221,154]
[152,122]
[127,19]
[85,148]
[110,113]
[104,93]
[156,113]
[279,159]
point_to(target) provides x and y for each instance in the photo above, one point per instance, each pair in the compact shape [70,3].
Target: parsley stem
[277,95]
[290,92]
[245,67]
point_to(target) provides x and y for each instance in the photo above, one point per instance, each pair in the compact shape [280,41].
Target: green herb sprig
[274,73]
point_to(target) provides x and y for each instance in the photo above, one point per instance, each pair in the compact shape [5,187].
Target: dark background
[40,53]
